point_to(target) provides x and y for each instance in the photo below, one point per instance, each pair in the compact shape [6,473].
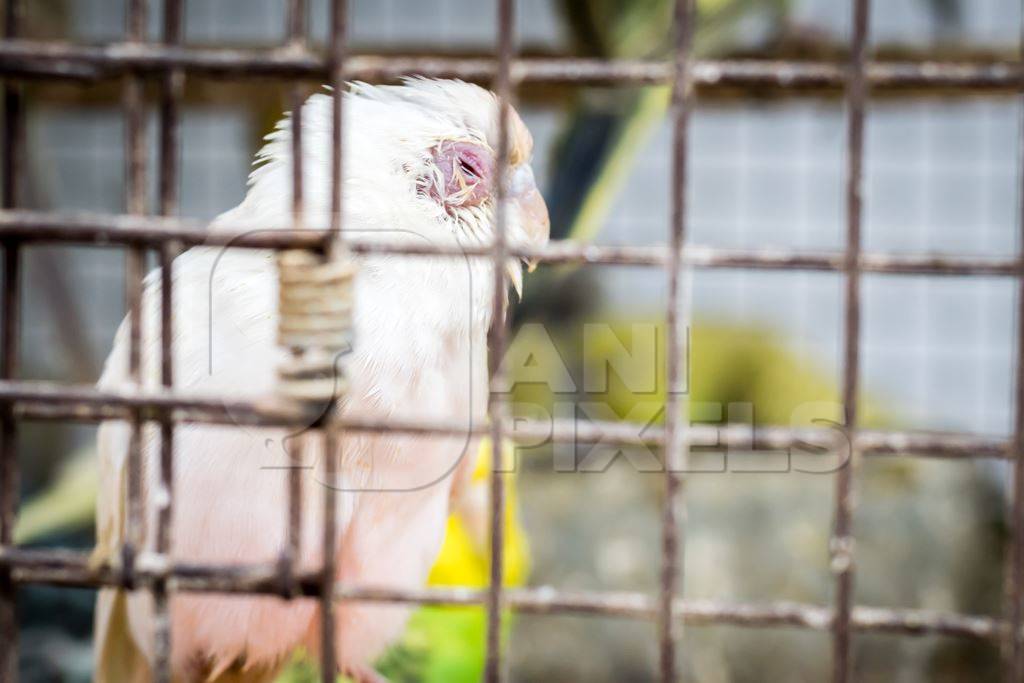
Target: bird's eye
[461,173]
[467,167]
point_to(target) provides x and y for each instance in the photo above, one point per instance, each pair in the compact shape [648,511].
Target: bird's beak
[515,276]
[533,212]
[535,219]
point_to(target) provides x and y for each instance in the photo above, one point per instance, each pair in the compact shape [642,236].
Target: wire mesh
[169,60]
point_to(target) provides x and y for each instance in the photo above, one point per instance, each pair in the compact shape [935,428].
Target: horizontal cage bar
[50,59]
[73,569]
[105,230]
[52,401]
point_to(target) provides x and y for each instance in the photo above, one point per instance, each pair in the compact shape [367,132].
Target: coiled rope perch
[315,306]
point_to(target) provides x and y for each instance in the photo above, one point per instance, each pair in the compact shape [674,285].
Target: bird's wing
[118,658]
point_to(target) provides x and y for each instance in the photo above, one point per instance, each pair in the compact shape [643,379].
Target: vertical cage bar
[134,201]
[331,436]
[328,658]
[842,541]
[135,180]
[13,147]
[296,38]
[1013,646]
[296,27]
[297,21]
[9,473]
[293,513]
[676,440]
[171,94]
[497,341]
[164,498]
[170,110]
[337,53]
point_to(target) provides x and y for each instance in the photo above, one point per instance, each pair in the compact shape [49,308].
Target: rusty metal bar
[12,151]
[171,93]
[135,186]
[290,551]
[332,456]
[1013,644]
[72,569]
[293,517]
[841,545]
[103,230]
[163,499]
[50,401]
[54,59]
[297,38]
[497,341]
[9,470]
[135,258]
[676,321]
[297,22]
[332,443]
[339,73]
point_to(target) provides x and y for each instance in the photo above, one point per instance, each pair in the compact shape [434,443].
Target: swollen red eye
[468,168]
[465,172]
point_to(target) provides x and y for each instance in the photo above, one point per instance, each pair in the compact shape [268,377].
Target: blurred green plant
[726,364]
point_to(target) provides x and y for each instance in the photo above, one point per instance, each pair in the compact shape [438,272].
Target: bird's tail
[118,657]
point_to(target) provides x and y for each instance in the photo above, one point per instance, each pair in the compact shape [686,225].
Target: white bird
[419,165]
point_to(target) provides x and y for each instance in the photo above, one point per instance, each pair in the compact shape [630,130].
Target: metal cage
[168,62]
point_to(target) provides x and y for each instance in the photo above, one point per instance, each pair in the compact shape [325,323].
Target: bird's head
[444,157]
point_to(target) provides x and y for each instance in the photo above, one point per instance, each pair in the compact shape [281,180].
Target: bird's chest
[420,348]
